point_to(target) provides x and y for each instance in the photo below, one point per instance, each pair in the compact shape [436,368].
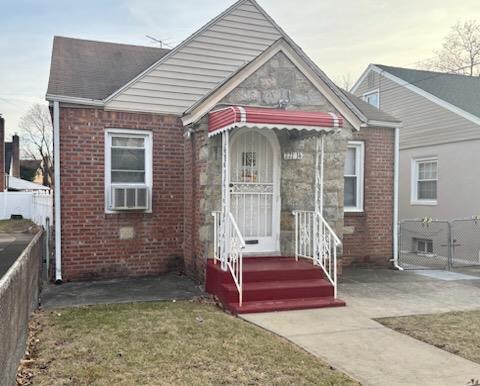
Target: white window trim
[425,251]
[360,165]
[414,200]
[148,165]
[376,91]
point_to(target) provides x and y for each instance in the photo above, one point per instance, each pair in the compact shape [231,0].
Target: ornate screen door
[254,188]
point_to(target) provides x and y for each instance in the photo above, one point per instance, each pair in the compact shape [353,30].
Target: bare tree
[460,51]
[344,81]
[36,132]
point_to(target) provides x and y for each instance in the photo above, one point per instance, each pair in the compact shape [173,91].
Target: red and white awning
[238,116]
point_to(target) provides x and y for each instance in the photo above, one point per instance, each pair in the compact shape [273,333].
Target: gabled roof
[103,74]
[369,114]
[460,90]
[93,70]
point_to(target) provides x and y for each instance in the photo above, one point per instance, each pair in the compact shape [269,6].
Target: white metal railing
[228,245]
[316,240]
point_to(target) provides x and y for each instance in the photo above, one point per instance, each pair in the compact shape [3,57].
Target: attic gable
[200,63]
[293,55]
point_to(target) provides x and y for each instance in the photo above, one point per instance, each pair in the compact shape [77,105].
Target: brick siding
[91,246]
[371,242]
[168,238]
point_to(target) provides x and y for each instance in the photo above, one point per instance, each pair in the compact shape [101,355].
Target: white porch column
[225,228]
[317,224]
[319,161]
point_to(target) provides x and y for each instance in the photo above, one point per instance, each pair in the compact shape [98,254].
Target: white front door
[254,186]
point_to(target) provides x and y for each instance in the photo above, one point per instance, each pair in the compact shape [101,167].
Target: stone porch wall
[280,79]
[277,79]
[297,184]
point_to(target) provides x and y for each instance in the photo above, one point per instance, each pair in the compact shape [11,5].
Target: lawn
[166,343]
[456,332]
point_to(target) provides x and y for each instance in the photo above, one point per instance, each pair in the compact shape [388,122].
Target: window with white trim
[353,177]
[372,98]
[128,170]
[424,181]
[423,246]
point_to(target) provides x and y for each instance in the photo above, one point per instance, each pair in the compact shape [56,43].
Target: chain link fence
[465,242]
[439,244]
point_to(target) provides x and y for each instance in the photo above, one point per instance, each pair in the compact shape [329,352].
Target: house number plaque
[293,155]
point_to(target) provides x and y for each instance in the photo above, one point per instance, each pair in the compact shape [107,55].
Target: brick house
[231,157]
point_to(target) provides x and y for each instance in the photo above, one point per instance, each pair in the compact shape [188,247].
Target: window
[424,181]
[128,170]
[423,246]
[353,177]
[373,98]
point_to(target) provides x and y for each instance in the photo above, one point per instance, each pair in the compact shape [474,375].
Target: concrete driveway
[349,339]
[11,246]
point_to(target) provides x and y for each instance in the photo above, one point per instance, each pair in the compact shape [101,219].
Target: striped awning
[237,116]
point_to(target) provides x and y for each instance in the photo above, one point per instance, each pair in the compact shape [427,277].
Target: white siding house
[439,138]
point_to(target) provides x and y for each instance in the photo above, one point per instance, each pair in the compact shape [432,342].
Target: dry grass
[182,343]
[456,332]
[12,226]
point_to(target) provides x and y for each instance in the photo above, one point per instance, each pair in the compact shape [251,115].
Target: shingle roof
[459,90]
[371,112]
[94,70]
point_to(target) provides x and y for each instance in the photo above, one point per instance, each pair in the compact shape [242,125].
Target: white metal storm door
[254,189]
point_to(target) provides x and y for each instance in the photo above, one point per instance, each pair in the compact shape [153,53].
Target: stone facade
[278,79]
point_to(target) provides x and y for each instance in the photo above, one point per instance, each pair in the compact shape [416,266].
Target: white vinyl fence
[31,205]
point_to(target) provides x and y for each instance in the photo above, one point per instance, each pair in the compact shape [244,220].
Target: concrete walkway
[351,341]
[164,287]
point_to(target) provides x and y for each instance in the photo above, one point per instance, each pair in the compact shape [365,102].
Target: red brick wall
[91,247]
[371,241]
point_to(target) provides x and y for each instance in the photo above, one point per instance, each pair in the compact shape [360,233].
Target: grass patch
[12,226]
[455,332]
[166,343]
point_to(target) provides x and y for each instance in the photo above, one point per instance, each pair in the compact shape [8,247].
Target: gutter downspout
[56,165]
[395,198]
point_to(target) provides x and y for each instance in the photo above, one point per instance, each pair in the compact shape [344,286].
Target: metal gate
[465,242]
[439,244]
[253,187]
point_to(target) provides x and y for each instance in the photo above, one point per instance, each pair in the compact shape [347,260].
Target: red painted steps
[282,289]
[284,305]
[272,284]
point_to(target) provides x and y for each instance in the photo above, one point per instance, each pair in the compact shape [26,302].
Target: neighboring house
[2,153]
[20,185]
[167,159]
[439,138]
[9,156]
[30,170]
[12,157]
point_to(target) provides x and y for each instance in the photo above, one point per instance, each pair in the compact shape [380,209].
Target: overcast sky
[341,36]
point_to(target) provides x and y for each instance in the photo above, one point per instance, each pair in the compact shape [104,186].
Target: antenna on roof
[161,43]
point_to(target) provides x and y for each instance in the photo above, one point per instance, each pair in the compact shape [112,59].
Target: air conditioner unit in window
[129,198]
